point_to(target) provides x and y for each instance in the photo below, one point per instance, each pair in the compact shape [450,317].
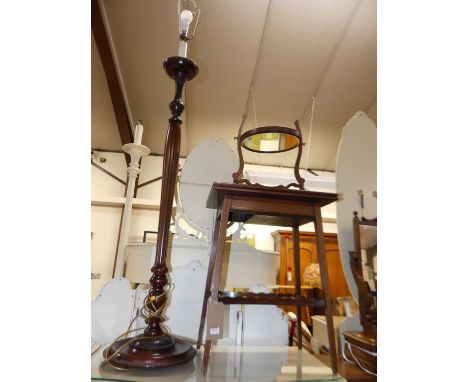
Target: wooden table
[275,206]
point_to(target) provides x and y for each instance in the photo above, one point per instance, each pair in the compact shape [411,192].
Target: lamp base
[149,353]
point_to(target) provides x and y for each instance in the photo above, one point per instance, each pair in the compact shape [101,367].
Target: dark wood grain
[267,299]
[159,349]
[236,201]
[326,288]
[220,190]
[206,356]
[308,248]
[181,70]
[361,347]
[353,373]
[297,174]
[115,91]
[130,357]
[209,279]
[367,297]
[220,245]
[238,177]
[274,130]
[297,281]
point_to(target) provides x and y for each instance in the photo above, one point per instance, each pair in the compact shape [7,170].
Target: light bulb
[186,18]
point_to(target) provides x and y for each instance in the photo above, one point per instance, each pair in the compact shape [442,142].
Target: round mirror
[270,139]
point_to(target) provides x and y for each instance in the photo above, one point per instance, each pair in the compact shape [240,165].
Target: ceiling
[325,48]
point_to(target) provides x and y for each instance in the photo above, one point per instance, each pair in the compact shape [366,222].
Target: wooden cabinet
[308,254]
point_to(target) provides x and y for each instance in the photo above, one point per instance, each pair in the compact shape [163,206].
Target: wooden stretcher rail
[268,299]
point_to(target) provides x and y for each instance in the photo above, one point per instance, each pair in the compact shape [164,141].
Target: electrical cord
[148,311]
[346,344]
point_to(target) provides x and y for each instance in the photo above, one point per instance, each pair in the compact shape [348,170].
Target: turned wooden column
[155,348]
[181,70]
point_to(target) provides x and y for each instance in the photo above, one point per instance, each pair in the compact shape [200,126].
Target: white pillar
[136,151]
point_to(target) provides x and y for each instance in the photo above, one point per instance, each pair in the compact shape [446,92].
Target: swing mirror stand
[269,140]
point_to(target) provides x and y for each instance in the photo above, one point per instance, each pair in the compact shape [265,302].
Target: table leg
[216,274]
[220,245]
[326,288]
[209,278]
[206,356]
[297,281]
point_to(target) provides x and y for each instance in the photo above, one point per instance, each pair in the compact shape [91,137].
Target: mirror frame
[238,176]
[270,130]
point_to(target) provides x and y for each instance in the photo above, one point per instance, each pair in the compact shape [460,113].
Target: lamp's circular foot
[157,344]
[150,353]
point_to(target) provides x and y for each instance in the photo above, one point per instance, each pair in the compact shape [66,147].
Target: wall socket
[95,276]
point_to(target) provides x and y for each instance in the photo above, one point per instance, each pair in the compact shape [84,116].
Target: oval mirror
[211,161]
[270,139]
[356,169]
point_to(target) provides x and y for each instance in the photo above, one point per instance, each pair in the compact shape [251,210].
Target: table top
[229,363]
[219,190]
[264,205]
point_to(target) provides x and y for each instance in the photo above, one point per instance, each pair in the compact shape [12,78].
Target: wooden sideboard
[308,252]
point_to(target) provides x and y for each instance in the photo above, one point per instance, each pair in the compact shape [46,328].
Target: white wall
[105,220]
